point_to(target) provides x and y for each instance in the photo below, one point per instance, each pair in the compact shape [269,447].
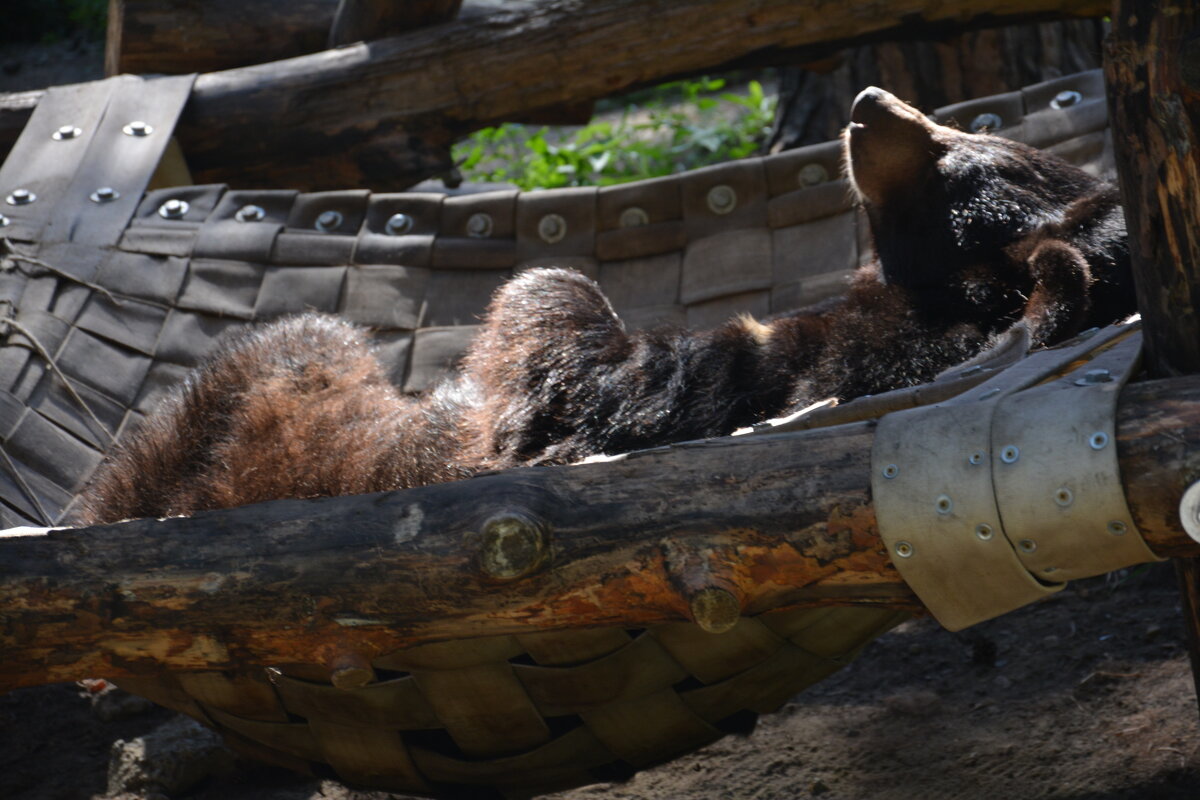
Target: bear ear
[890,146]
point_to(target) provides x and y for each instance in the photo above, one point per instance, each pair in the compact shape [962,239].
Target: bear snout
[889,145]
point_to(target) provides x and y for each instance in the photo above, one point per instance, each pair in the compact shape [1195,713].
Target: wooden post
[1153,71]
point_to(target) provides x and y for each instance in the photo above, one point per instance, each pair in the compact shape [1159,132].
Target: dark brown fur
[973,234]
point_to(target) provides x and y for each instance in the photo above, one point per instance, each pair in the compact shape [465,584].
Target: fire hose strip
[992,500]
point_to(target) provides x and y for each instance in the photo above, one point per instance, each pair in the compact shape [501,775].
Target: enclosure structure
[581,664]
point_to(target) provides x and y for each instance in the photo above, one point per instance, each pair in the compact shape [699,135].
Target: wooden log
[694,531]
[364,20]
[1153,72]
[384,115]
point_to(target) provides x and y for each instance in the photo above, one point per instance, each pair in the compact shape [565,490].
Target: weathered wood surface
[383,114]
[364,20]
[747,523]
[1153,71]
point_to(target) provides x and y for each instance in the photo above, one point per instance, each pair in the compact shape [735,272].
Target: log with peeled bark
[384,114]
[692,531]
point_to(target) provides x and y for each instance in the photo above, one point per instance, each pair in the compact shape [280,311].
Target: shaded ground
[1085,695]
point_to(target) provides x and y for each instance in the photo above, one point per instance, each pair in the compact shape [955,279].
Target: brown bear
[972,233]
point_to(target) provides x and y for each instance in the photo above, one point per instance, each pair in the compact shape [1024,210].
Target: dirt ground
[1085,695]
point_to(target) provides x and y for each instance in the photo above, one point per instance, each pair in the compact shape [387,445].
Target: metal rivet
[634,217]
[1098,440]
[512,545]
[552,228]
[1094,376]
[715,610]
[138,128]
[891,471]
[813,174]
[1010,454]
[983,531]
[943,504]
[975,458]
[329,221]
[20,197]
[1064,497]
[987,121]
[173,209]
[398,224]
[4,221]
[250,213]
[105,194]
[479,226]
[65,133]
[722,199]
[1117,528]
[1027,545]
[904,549]
[989,393]
[1065,99]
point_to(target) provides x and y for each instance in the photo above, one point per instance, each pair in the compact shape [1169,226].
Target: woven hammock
[112,290]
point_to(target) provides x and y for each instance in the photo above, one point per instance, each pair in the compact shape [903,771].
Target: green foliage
[676,127]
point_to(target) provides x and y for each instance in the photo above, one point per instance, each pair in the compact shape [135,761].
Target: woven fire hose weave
[107,300]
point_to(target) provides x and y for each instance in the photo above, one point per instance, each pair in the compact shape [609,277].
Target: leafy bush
[679,126]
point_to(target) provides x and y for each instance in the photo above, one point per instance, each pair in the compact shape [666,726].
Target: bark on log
[346,117]
[672,533]
[363,20]
[1153,71]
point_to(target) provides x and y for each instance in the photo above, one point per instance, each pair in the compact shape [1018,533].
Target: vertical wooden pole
[1152,64]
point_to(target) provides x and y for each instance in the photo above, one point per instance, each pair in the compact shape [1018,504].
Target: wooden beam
[384,114]
[1153,71]
[364,20]
[693,531]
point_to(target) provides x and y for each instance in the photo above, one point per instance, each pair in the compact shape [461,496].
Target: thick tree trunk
[383,115]
[363,20]
[1153,70]
[700,531]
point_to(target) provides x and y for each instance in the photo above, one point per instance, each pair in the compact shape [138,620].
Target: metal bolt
[4,221]
[512,546]
[634,217]
[105,194]
[65,132]
[722,199]
[975,458]
[987,121]
[398,224]
[714,609]
[943,504]
[1094,376]
[20,197]
[1117,528]
[1027,545]
[1066,99]
[138,128]
[552,228]
[329,221]
[891,471]
[1010,454]
[479,226]
[813,174]
[250,213]
[1098,440]
[984,531]
[1064,497]
[173,209]
[904,549]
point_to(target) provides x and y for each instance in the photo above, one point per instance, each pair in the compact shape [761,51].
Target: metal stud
[987,121]
[722,199]
[1065,99]
[891,471]
[1064,497]
[105,194]
[552,228]
[513,544]
[329,221]
[138,128]
[812,175]
[976,458]
[4,221]
[1117,528]
[989,394]
[250,213]
[904,549]
[1027,545]
[20,197]
[634,217]
[65,133]
[1094,376]
[479,226]
[398,224]
[173,209]
[984,531]
[1098,440]
[1010,454]
[943,504]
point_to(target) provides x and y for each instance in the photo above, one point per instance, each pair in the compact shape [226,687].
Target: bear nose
[872,105]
